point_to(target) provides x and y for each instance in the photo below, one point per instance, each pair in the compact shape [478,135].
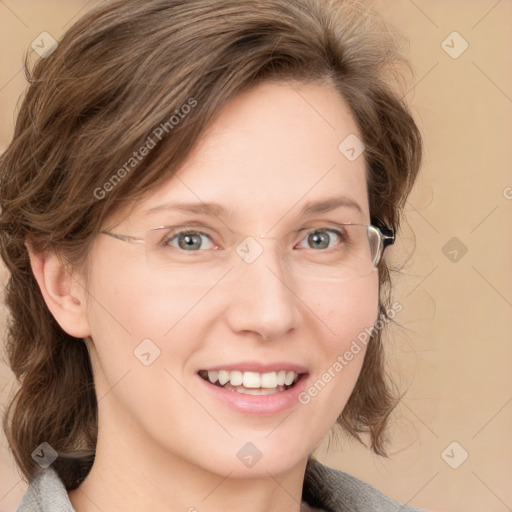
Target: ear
[63,293]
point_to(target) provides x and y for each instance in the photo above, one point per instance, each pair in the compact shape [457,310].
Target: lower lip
[258,404]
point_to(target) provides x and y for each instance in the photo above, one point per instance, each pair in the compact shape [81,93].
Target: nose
[262,299]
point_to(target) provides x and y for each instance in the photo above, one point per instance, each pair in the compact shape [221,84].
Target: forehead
[272,150]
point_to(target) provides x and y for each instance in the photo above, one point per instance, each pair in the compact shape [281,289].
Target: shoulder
[335,490]
[46,493]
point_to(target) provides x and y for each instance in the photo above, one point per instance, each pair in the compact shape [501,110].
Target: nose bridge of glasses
[249,247]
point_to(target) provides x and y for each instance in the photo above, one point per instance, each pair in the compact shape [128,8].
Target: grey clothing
[324,488]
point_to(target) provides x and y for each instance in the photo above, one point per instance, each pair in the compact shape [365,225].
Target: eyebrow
[310,208]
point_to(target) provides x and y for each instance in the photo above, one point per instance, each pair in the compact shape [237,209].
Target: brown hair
[123,69]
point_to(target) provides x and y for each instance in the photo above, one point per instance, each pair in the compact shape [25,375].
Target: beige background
[454,349]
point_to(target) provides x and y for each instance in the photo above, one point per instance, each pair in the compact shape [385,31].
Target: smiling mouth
[252,383]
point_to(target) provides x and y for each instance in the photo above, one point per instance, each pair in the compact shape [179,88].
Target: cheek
[347,309]
[346,313]
[127,302]
[130,316]
[350,311]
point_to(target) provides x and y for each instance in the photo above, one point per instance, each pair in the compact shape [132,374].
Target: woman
[195,207]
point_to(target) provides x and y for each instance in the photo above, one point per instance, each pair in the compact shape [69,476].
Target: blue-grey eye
[321,238]
[187,240]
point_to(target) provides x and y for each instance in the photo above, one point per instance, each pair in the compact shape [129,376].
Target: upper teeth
[253,379]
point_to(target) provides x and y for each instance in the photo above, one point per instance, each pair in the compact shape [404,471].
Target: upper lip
[258,367]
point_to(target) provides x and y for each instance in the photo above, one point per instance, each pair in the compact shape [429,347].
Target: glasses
[197,255]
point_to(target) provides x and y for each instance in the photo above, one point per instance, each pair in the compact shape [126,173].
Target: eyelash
[173,235]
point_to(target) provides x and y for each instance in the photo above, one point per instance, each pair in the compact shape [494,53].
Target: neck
[133,476]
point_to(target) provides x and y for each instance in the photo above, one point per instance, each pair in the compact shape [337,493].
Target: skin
[163,445]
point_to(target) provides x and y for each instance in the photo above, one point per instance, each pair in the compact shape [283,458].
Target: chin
[259,458]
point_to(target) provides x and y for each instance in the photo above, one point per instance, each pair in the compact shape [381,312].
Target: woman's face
[270,152]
